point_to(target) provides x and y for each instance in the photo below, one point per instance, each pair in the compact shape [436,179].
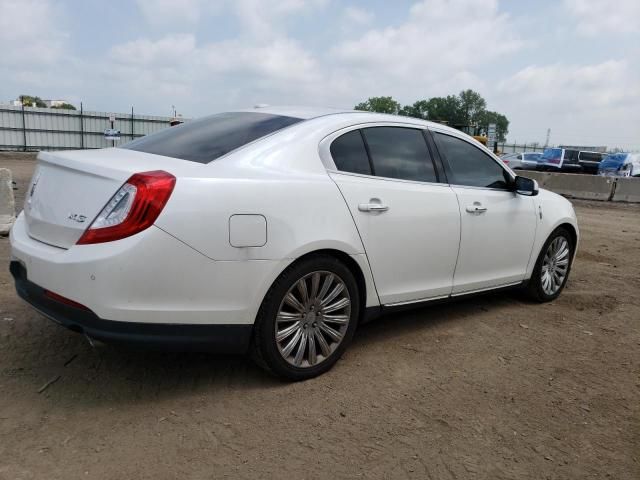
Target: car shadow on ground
[112,374]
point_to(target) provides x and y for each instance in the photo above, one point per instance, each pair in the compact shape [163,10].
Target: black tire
[265,349]
[534,287]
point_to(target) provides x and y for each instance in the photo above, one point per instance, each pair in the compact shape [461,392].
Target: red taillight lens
[133,208]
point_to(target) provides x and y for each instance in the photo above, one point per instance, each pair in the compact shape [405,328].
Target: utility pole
[546,143]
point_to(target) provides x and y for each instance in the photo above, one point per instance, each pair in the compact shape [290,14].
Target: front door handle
[476,208]
[372,207]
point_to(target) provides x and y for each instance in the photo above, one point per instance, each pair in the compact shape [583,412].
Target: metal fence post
[81,127]
[132,123]
[24,126]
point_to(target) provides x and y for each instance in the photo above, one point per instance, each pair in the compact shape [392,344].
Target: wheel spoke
[301,348]
[286,351]
[334,293]
[288,317]
[287,332]
[315,285]
[340,304]
[325,286]
[292,301]
[562,254]
[339,319]
[324,347]
[304,294]
[312,348]
[333,334]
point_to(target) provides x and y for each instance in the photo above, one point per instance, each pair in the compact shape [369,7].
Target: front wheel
[552,268]
[307,318]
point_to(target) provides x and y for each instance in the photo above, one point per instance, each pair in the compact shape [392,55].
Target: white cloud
[562,87]
[261,19]
[171,12]
[28,33]
[594,104]
[357,16]
[170,50]
[440,40]
[597,16]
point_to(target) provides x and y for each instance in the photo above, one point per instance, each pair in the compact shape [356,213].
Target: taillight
[133,208]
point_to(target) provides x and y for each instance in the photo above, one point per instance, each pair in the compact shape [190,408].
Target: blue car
[620,165]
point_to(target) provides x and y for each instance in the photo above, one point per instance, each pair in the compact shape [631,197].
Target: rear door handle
[372,207]
[476,208]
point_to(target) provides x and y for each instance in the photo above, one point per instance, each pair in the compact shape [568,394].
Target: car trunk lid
[69,189]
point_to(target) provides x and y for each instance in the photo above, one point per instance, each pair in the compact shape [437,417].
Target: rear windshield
[208,138]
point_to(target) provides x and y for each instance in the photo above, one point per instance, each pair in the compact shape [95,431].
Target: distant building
[54,103]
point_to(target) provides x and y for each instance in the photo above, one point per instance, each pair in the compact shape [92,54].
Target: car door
[409,222]
[497,225]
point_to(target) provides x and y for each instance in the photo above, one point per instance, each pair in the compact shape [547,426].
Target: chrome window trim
[388,179]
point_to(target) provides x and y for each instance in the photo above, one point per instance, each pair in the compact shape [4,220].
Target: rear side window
[401,153]
[349,153]
[468,165]
[570,156]
[208,138]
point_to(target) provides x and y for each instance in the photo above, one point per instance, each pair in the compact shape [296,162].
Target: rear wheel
[307,318]
[552,268]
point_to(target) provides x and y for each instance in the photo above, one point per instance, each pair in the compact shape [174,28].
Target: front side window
[398,152]
[208,138]
[468,165]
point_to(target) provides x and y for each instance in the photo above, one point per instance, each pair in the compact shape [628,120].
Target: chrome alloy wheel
[555,265]
[313,319]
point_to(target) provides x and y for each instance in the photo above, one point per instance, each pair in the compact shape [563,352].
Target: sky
[569,65]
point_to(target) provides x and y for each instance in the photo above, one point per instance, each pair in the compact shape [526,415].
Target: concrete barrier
[627,190]
[586,187]
[7,202]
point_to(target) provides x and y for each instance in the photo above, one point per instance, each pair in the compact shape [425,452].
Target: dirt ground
[492,387]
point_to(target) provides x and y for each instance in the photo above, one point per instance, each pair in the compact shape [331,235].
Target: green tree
[445,110]
[467,109]
[29,100]
[502,123]
[64,106]
[380,105]
[418,110]
[471,106]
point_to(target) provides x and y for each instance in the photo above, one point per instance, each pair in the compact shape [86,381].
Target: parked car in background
[590,161]
[569,160]
[560,160]
[522,160]
[278,231]
[620,165]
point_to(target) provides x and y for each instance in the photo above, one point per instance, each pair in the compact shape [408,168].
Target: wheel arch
[357,264]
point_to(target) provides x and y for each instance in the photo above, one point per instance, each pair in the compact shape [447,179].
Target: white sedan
[278,231]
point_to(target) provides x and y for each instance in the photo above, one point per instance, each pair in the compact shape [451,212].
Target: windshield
[208,138]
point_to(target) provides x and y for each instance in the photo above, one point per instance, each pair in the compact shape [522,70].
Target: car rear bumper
[150,277]
[219,338]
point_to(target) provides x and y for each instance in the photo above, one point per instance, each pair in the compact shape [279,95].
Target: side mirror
[526,186]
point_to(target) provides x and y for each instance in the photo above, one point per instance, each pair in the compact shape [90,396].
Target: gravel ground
[491,387]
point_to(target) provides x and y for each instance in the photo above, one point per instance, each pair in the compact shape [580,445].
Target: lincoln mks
[277,231]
